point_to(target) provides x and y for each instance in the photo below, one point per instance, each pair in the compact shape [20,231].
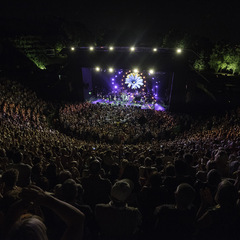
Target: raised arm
[73,217]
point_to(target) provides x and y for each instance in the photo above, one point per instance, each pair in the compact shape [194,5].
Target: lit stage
[142,89]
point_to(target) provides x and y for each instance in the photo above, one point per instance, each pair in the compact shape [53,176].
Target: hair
[17,157]
[69,190]
[30,228]
[95,167]
[148,162]
[188,158]
[213,177]
[10,177]
[64,175]
[185,195]
[226,195]
[36,160]
[2,152]
[155,179]
[170,170]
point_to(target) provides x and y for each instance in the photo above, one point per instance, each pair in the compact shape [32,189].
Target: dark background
[141,22]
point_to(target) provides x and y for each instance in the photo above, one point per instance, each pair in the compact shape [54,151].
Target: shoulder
[164,208]
[102,208]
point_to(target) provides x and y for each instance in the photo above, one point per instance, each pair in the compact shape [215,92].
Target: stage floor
[152,106]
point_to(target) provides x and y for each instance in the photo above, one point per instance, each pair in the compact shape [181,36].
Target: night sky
[213,19]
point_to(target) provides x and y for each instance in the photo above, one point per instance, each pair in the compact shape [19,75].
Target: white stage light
[110,69]
[154,49]
[91,48]
[72,48]
[132,49]
[111,48]
[179,50]
[97,69]
[151,71]
[135,70]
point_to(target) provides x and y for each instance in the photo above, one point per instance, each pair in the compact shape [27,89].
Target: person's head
[17,157]
[184,195]
[213,177]
[121,191]
[48,155]
[155,179]
[69,190]
[211,165]
[64,175]
[75,173]
[43,183]
[226,195]
[95,167]
[148,162]
[221,157]
[36,160]
[188,158]
[2,153]
[37,169]
[28,228]
[51,170]
[170,170]
[10,177]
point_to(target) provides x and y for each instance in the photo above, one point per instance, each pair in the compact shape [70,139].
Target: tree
[225,58]
[200,63]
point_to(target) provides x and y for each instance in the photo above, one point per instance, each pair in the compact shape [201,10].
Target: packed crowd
[115,173]
[116,124]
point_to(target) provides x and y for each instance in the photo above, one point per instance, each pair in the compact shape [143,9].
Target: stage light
[72,48]
[151,71]
[115,86]
[110,69]
[179,50]
[135,70]
[154,49]
[132,49]
[97,69]
[111,48]
[91,48]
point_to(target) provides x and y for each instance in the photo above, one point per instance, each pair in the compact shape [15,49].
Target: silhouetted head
[226,195]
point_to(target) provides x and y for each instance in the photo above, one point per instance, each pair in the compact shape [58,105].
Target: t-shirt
[172,223]
[117,223]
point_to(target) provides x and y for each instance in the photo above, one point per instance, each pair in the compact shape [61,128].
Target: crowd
[109,172]
[116,124]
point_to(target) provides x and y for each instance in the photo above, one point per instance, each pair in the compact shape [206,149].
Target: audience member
[116,220]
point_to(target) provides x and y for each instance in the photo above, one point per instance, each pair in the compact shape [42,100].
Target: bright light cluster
[134,80]
[135,70]
[131,49]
